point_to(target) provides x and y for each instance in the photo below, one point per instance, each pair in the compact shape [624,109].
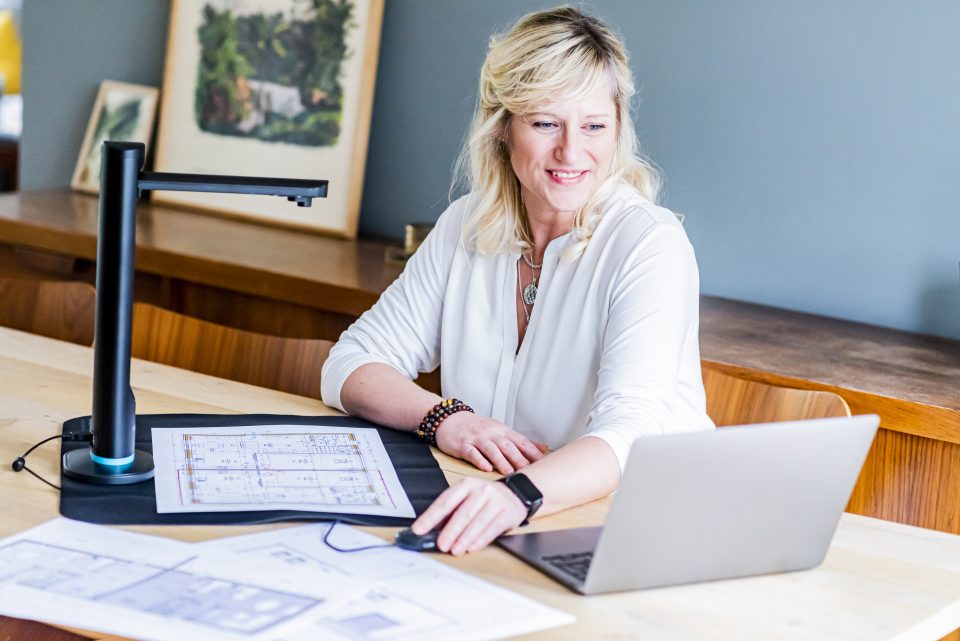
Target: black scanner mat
[419,473]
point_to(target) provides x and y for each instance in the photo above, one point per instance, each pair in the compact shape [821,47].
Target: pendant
[530,293]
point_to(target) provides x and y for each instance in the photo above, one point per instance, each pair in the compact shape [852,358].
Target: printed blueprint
[146,587]
[276,467]
[411,596]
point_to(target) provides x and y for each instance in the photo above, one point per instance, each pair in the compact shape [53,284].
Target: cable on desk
[20,463]
[326,540]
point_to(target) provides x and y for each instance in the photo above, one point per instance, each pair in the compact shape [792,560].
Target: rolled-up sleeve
[653,316]
[402,329]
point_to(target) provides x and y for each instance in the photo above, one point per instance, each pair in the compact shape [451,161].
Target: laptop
[732,502]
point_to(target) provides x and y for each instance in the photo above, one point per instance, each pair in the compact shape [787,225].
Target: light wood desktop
[880,580]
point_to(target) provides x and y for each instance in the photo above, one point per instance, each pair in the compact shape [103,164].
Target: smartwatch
[526,491]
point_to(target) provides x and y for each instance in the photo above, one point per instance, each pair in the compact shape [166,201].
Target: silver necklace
[530,291]
[529,263]
[523,302]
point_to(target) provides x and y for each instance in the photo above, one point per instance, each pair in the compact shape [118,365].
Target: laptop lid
[737,501]
[731,502]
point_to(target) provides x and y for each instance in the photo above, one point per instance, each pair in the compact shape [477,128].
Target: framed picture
[276,88]
[121,112]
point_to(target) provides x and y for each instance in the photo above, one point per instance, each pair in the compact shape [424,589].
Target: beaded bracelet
[428,427]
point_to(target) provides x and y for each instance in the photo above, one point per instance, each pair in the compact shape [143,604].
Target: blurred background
[811,146]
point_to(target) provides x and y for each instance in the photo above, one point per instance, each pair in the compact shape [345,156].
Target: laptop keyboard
[575,565]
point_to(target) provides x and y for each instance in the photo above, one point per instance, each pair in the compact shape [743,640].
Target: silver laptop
[737,501]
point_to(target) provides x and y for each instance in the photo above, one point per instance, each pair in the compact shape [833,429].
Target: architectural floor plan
[276,467]
[242,608]
[393,608]
[148,587]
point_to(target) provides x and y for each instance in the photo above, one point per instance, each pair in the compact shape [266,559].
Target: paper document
[276,467]
[394,607]
[281,585]
[132,585]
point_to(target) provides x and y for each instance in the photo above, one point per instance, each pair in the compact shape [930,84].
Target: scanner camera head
[302,201]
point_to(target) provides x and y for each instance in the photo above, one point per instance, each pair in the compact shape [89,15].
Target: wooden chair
[732,400]
[58,309]
[286,364]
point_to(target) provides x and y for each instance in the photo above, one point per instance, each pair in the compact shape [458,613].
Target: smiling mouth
[569,177]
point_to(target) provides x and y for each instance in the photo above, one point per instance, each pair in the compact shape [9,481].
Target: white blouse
[611,350]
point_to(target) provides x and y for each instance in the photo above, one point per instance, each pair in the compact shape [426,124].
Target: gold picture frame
[122,111]
[276,88]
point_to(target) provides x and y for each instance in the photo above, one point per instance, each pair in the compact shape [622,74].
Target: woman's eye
[545,125]
[595,126]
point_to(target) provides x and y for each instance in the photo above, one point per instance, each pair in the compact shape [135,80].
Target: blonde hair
[548,56]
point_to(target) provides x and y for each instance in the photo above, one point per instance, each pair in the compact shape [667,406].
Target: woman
[560,302]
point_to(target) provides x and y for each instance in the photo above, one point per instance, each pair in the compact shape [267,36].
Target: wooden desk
[295,284]
[880,580]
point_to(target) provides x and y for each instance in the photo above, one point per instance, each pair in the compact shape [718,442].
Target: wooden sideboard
[296,284]
[221,270]
[912,474]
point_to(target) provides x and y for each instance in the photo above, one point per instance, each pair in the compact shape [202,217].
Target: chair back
[732,400]
[64,310]
[286,364]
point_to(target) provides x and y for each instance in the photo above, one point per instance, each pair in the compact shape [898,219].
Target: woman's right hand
[486,443]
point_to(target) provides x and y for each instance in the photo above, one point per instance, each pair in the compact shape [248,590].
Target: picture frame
[122,111]
[275,88]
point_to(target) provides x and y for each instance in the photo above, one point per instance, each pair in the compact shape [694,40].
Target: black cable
[46,440]
[53,485]
[20,463]
[326,540]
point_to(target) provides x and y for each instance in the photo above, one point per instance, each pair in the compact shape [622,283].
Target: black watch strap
[526,491]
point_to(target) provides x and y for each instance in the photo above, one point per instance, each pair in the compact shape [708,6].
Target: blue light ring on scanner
[114,464]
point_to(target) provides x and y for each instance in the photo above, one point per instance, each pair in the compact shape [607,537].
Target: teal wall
[812,145]
[68,48]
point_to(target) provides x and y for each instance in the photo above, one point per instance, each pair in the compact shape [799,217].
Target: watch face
[525,488]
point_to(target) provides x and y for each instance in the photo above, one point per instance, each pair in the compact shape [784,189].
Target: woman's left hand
[479,511]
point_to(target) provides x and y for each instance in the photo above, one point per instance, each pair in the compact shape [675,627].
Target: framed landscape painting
[122,112]
[276,88]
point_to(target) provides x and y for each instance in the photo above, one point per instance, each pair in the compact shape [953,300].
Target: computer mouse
[407,540]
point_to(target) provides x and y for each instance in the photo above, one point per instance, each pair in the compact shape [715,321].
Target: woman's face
[561,153]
